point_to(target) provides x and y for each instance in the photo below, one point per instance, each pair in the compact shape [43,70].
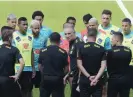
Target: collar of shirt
[128,35]
[106,28]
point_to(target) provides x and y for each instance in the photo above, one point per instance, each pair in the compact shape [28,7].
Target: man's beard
[34,34]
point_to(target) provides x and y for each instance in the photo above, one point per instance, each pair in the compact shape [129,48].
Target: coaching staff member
[8,56]
[92,64]
[118,60]
[74,42]
[53,61]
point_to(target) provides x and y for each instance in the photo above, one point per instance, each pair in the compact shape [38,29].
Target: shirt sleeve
[107,44]
[79,53]
[18,55]
[104,56]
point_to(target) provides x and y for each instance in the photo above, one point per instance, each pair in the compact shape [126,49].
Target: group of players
[99,58]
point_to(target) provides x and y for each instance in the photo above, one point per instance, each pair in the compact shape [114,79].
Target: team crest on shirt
[37,51]
[29,38]
[99,41]
[18,39]
[25,45]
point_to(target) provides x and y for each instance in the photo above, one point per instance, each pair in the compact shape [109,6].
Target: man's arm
[100,72]
[82,69]
[80,66]
[21,62]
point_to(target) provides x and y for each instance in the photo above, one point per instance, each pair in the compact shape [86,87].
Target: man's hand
[93,82]
[33,73]
[91,78]
[65,79]
[15,77]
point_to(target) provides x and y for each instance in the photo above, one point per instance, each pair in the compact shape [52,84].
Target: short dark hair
[70,18]
[22,19]
[119,35]
[6,33]
[107,12]
[55,37]
[37,13]
[92,32]
[127,20]
[87,17]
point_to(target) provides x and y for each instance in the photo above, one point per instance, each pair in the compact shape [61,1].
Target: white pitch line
[124,9]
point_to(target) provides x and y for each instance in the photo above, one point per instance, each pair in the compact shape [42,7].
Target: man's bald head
[69,33]
[93,23]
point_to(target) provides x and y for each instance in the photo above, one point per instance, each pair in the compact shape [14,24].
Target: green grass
[57,12]
[128,5]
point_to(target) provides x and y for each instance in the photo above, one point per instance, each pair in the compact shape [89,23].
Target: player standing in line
[128,35]
[39,16]
[106,27]
[128,40]
[38,44]
[12,21]
[86,19]
[24,42]
[101,38]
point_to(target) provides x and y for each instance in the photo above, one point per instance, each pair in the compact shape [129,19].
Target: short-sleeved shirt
[91,55]
[8,57]
[24,43]
[53,60]
[44,31]
[38,44]
[73,46]
[103,40]
[118,60]
[128,42]
[108,30]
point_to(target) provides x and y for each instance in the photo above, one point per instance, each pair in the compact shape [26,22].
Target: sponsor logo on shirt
[25,45]
[29,38]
